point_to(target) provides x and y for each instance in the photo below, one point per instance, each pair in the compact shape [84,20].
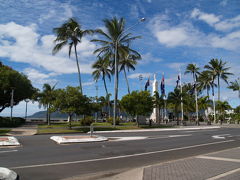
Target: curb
[77,139]
[159,129]
[8,141]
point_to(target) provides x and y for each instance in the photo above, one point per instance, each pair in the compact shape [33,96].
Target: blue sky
[173,35]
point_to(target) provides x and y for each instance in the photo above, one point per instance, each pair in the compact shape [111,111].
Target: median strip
[8,141]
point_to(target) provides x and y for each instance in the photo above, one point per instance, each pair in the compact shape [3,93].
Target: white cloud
[136,75]
[39,78]
[228,24]
[208,18]
[185,34]
[176,65]
[148,57]
[88,83]
[22,44]
[224,3]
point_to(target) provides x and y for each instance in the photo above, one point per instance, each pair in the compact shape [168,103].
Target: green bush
[15,122]
[110,120]
[86,121]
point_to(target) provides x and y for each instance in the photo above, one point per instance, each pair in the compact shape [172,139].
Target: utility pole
[96,115]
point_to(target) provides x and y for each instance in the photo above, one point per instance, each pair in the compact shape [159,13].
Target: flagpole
[196,99]
[165,103]
[181,94]
[213,99]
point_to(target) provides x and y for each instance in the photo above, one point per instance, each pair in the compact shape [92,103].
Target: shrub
[16,121]
[110,120]
[86,121]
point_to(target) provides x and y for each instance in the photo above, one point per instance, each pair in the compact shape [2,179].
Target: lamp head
[143,19]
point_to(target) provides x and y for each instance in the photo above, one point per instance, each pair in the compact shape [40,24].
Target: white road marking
[224,174]
[183,135]
[221,136]
[118,157]
[219,158]
[8,151]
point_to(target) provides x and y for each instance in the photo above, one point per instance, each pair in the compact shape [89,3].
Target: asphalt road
[43,159]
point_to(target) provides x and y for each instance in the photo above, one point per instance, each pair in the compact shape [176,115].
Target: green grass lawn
[64,127]
[4,131]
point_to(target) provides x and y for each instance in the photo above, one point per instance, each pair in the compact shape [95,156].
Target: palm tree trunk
[125,74]
[218,88]
[105,86]
[115,86]
[79,73]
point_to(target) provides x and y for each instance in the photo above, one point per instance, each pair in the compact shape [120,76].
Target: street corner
[78,139]
[8,141]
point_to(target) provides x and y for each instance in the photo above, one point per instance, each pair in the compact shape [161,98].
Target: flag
[163,86]
[178,81]
[147,84]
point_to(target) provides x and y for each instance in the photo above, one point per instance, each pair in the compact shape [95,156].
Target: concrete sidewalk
[223,165]
[25,130]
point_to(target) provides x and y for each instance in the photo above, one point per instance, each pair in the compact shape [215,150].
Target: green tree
[46,99]
[204,103]
[137,103]
[12,80]
[217,69]
[128,62]
[174,98]
[235,86]
[70,33]
[72,101]
[221,106]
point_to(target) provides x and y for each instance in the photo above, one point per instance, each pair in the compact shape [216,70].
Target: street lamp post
[116,71]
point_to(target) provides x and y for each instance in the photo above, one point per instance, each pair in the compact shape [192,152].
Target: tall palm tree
[128,62]
[194,70]
[235,86]
[46,98]
[114,42]
[217,69]
[70,33]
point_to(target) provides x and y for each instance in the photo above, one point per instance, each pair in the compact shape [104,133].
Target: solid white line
[118,157]
[224,174]
[218,158]
[8,151]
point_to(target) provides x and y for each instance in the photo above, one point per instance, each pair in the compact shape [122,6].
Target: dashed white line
[8,151]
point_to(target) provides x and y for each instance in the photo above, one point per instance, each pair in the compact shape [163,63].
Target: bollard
[91,130]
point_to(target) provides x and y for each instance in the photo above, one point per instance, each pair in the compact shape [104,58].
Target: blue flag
[163,86]
[147,84]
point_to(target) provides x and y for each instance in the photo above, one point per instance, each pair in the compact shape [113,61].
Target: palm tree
[46,98]
[221,106]
[204,103]
[205,81]
[217,69]
[70,33]
[128,62]
[103,70]
[174,98]
[194,70]
[235,86]
[115,42]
